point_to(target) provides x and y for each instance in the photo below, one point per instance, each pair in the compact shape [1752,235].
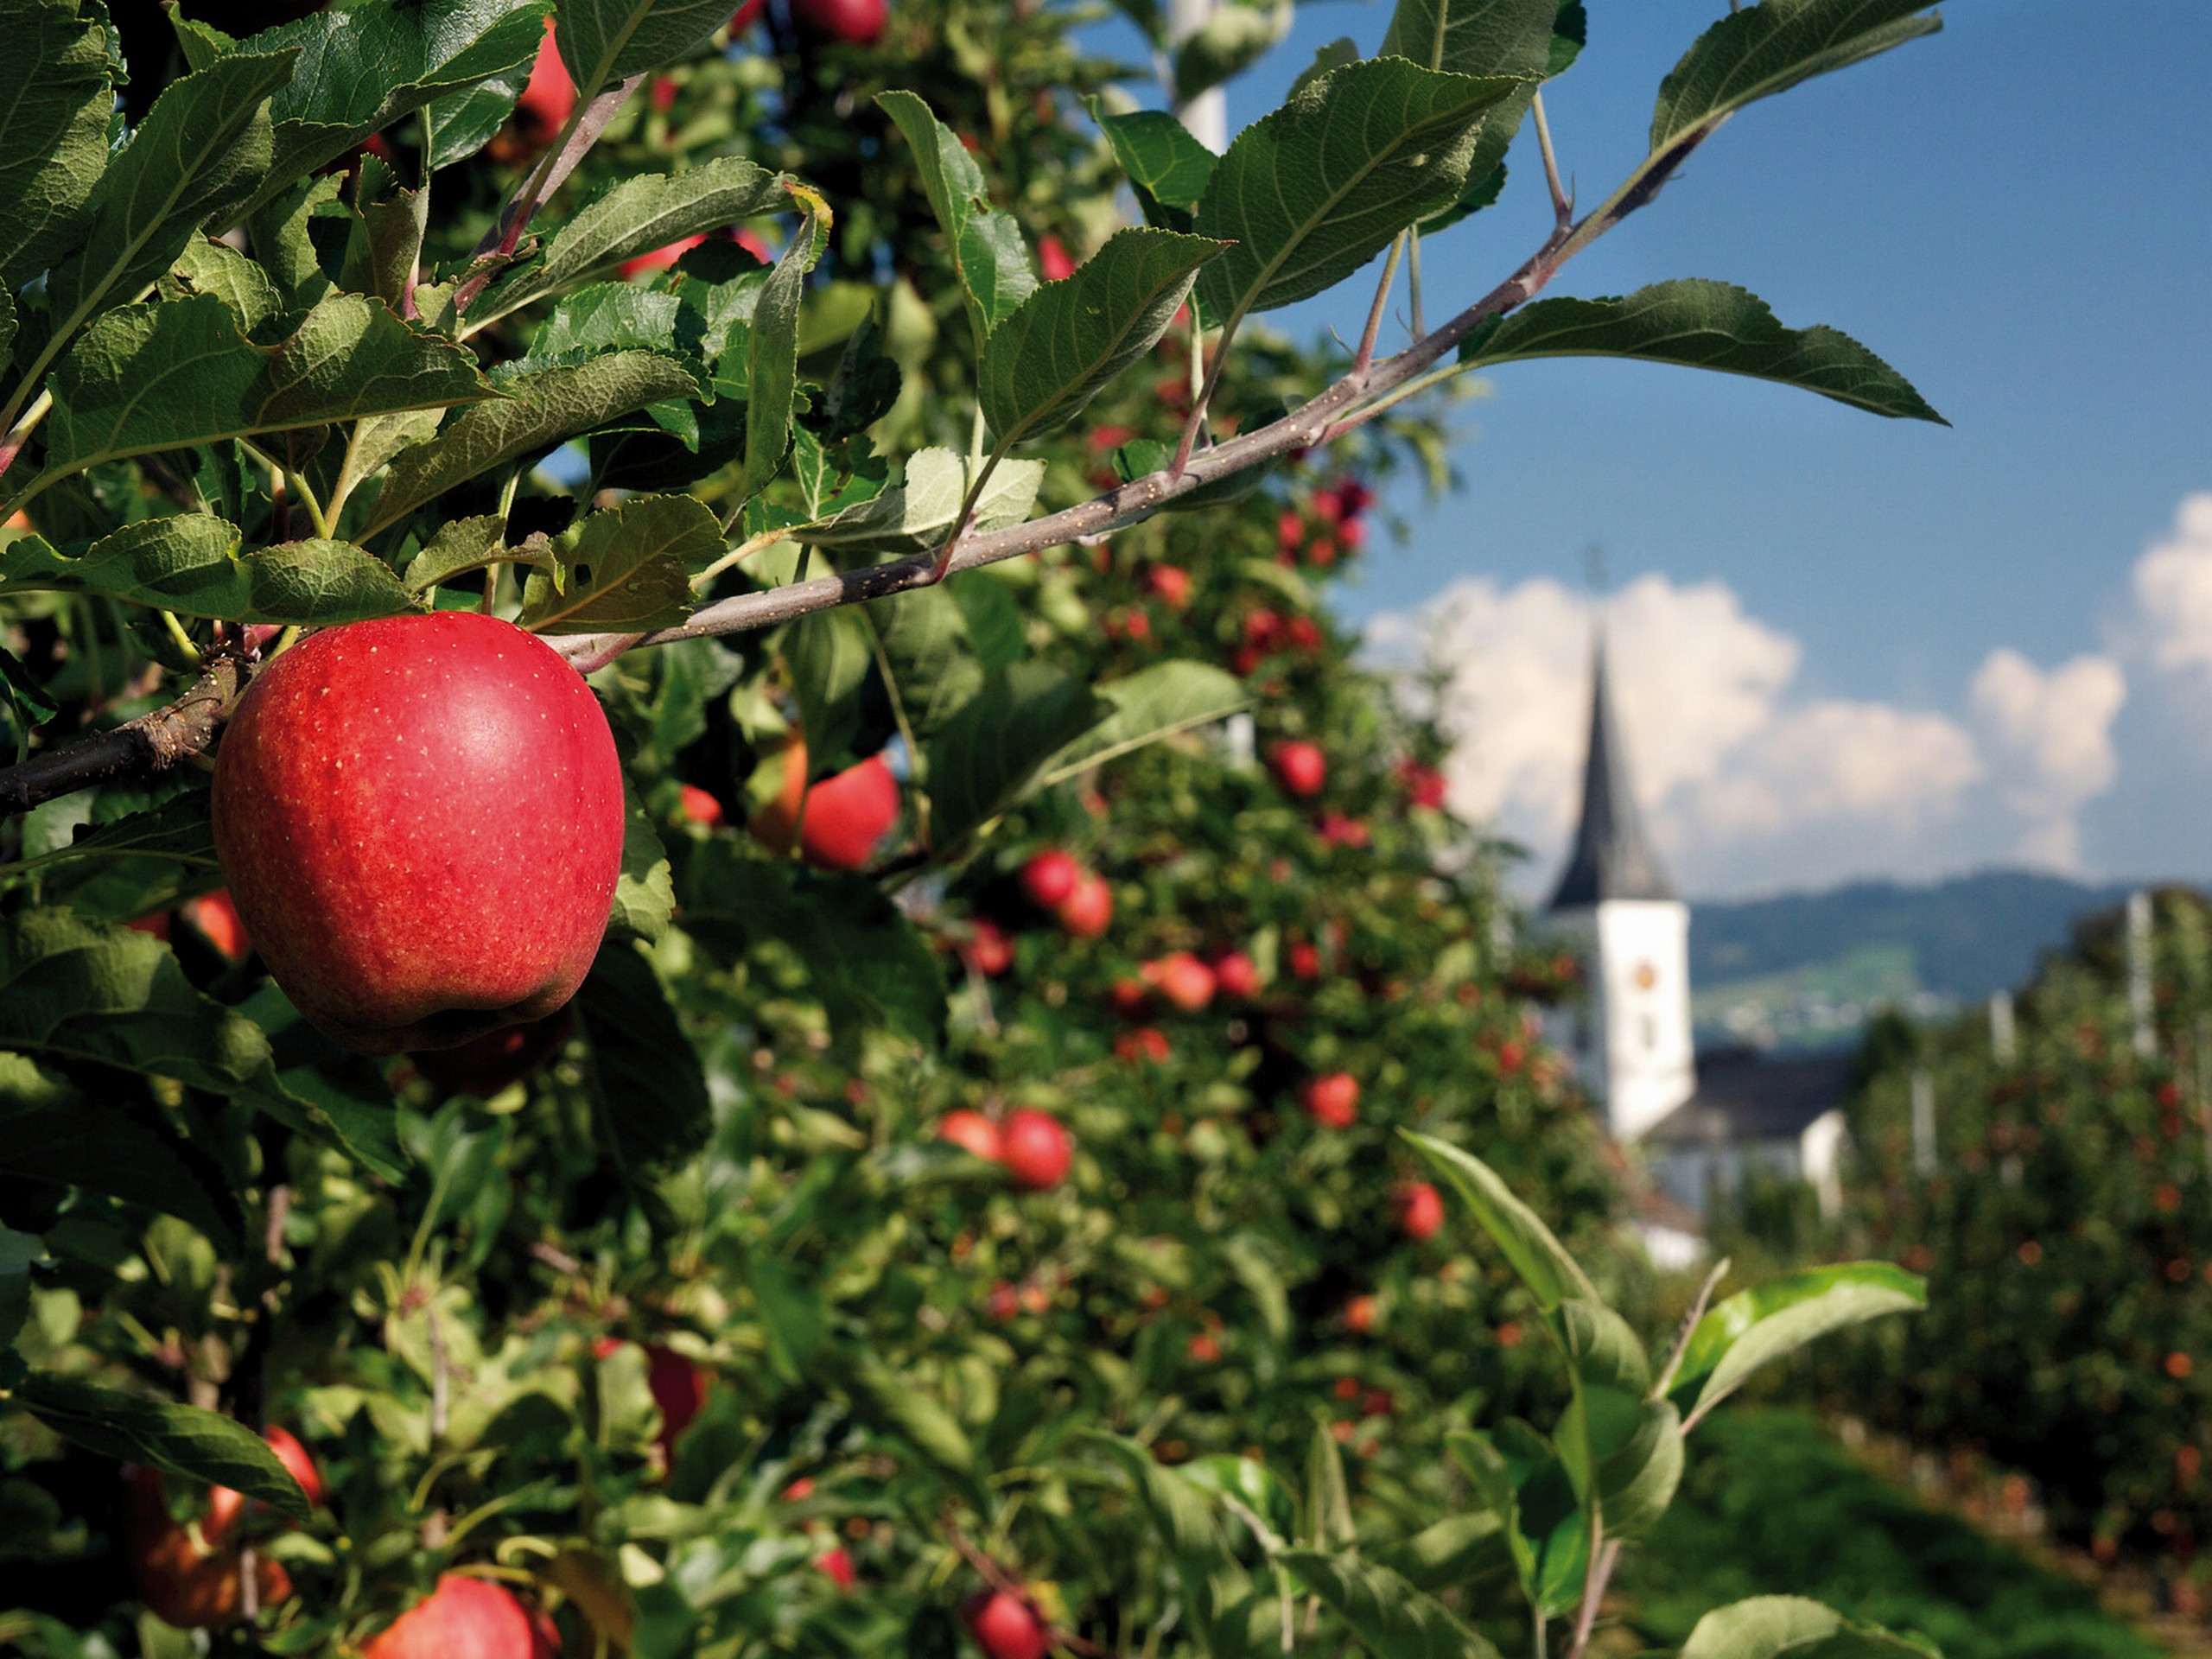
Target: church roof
[1612,858]
[1745,1095]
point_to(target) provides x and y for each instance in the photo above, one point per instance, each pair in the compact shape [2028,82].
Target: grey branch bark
[144,747]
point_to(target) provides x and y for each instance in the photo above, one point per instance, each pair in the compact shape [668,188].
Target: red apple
[848,816]
[1299,767]
[1337,830]
[839,1566]
[700,807]
[462,1618]
[974,1131]
[1236,975]
[848,22]
[1360,1314]
[1129,997]
[1049,878]
[1088,911]
[1421,1210]
[1170,583]
[1146,1043]
[990,952]
[1425,785]
[217,920]
[226,1504]
[183,1581]
[659,259]
[484,1066]
[746,15]
[1182,979]
[420,819]
[1054,259]
[1003,1302]
[549,98]
[1333,1100]
[1304,961]
[1302,633]
[1005,1626]
[1203,1348]
[679,1388]
[1035,1148]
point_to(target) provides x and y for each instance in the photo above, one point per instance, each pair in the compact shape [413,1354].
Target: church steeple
[1612,858]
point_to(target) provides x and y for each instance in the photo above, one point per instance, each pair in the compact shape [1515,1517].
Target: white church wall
[1641,980]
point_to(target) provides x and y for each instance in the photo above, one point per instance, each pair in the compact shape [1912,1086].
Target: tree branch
[144,747]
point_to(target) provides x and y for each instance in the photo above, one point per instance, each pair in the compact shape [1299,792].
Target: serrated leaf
[1756,1327]
[1481,37]
[321,1090]
[178,828]
[53,132]
[201,1445]
[1701,325]
[385,246]
[1062,345]
[1313,192]
[1148,705]
[190,563]
[652,1093]
[914,516]
[603,317]
[180,372]
[1387,1616]
[772,356]
[644,896]
[1551,1275]
[466,544]
[543,410]
[108,1151]
[1168,168]
[1770,1627]
[366,64]
[1233,38]
[633,217]
[207,266]
[603,42]
[986,755]
[626,569]
[986,244]
[203,145]
[1769,49]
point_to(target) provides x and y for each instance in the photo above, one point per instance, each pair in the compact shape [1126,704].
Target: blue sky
[2017,213]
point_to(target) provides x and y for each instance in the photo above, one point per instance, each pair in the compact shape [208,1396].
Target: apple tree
[1002,1162]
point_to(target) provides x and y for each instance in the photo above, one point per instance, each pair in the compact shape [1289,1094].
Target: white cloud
[2055,732]
[1737,779]
[2173,593]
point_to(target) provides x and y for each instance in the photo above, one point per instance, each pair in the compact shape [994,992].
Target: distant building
[1704,1124]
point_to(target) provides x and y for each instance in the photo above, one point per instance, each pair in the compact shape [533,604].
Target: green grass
[1771,1505]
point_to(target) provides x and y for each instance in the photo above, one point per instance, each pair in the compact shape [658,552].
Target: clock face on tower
[1645,976]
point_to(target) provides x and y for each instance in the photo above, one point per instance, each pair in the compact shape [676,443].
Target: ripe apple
[990,952]
[1005,1626]
[1360,1314]
[659,259]
[1299,767]
[1333,1100]
[1421,1210]
[1144,1043]
[1054,259]
[840,820]
[193,1584]
[1337,830]
[1305,961]
[1049,878]
[1035,1148]
[1236,975]
[848,22]
[484,1066]
[462,1618]
[974,1131]
[1182,979]
[1002,1302]
[746,15]
[1088,911]
[1203,1348]
[1425,785]
[839,1566]
[420,819]
[700,807]
[679,1386]
[217,920]
[550,97]
[1170,584]
[1129,997]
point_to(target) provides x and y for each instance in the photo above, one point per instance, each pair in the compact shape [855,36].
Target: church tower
[1619,914]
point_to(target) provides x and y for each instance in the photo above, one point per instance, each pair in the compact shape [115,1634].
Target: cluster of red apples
[1032,1146]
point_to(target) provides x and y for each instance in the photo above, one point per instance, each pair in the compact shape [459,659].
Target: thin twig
[1593,1591]
[1365,356]
[1562,201]
[1680,1345]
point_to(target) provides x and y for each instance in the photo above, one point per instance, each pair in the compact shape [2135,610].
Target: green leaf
[1466,1553]
[914,516]
[624,568]
[201,1445]
[644,893]
[386,244]
[1062,345]
[1329,1525]
[17,1252]
[1756,1327]
[603,317]
[465,120]
[1602,1348]
[466,544]
[792,1317]
[53,132]
[366,64]
[654,1112]
[603,42]
[1186,1523]
[986,755]
[987,251]
[207,266]
[1701,325]
[190,563]
[1473,37]
[106,1150]
[1148,705]
[828,657]
[933,663]
[202,147]
[897,1403]
[1551,1275]
[1141,457]
[1313,192]
[545,408]
[772,360]
[169,375]
[321,1092]
[1168,168]
[869,966]
[1388,1615]
[1769,49]
[633,217]
[1233,38]
[1768,1627]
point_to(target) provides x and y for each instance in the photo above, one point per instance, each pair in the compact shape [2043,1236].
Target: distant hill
[1809,969]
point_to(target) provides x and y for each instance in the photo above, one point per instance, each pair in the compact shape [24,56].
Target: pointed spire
[1611,857]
